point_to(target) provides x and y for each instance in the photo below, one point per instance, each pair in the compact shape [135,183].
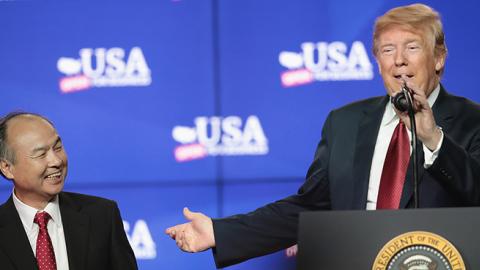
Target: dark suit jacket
[339,175]
[93,230]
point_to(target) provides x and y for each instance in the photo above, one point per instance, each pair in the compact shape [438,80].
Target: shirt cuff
[431,156]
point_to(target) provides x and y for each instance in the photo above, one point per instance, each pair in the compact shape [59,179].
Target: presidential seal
[418,250]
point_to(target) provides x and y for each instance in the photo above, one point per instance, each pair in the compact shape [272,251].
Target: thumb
[189,214]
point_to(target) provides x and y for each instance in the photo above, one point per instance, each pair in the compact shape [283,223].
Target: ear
[6,168]
[379,66]
[439,62]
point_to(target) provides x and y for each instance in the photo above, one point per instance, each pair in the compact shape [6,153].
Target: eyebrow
[44,148]
[413,40]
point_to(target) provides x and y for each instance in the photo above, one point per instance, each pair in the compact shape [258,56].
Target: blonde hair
[416,17]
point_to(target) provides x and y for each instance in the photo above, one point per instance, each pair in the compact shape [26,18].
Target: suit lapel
[365,146]
[15,242]
[443,114]
[442,109]
[76,227]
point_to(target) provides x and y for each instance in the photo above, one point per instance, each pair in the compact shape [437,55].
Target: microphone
[400,100]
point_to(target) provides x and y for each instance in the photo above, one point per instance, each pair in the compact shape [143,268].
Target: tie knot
[42,218]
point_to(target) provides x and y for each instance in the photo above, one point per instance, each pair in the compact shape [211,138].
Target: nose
[55,159]
[400,59]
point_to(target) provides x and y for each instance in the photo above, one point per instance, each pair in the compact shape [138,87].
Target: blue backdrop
[216,105]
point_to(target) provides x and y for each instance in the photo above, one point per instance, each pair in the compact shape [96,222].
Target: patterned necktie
[45,254]
[394,169]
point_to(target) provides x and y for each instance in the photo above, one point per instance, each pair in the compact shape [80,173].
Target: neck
[32,200]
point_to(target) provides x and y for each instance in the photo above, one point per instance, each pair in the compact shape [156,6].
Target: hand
[194,236]
[292,251]
[427,130]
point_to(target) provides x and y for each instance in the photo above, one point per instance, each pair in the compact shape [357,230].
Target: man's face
[406,55]
[40,164]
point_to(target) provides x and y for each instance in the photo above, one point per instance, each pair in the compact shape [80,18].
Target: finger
[174,229]
[418,92]
[170,231]
[172,234]
[180,239]
[420,96]
[183,245]
[415,90]
[179,244]
[189,214]
[186,244]
[421,103]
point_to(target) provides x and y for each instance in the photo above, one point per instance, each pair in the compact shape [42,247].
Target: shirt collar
[390,116]
[27,213]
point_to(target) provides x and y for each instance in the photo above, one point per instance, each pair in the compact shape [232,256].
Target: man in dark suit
[357,140]
[42,227]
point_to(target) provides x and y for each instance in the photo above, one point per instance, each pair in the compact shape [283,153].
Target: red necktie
[394,169]
[45,254]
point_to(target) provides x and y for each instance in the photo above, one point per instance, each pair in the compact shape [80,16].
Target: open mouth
[403,76]
[56,176]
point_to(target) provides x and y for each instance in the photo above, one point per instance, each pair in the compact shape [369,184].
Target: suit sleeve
[458,167]
[273,227]
[122,255]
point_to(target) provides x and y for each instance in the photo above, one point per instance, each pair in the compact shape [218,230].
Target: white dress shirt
[54,227]
[387,126]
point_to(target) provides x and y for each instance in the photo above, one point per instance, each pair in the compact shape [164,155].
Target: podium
[442,238]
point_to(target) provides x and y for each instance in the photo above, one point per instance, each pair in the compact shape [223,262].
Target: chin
[53,190]
[391,90]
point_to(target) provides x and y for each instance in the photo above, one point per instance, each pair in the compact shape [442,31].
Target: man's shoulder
[461,109]
[463,102]
[363,105]
[5,206]
[85,200]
